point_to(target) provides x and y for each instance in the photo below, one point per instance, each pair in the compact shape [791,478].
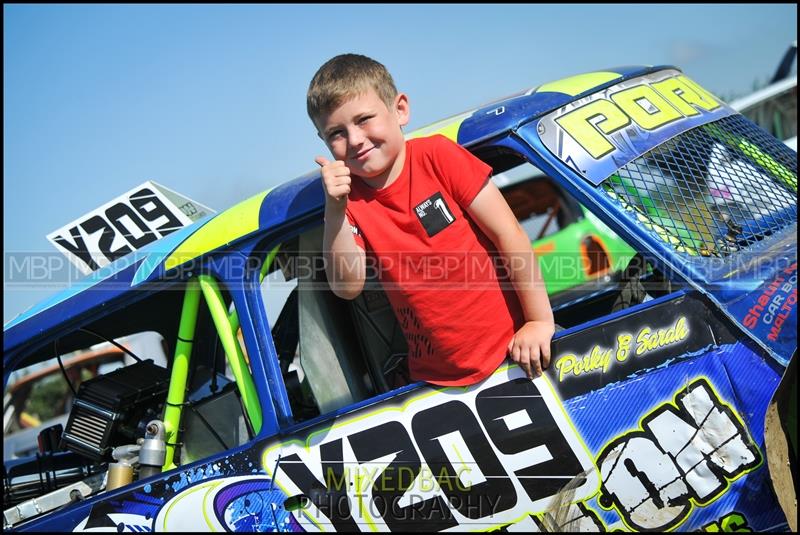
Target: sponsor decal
[598,134]
[775,304]
[646,340]
[684,453]
[613,351]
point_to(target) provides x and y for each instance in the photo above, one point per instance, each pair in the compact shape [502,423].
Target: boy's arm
[344,259]
[530,346]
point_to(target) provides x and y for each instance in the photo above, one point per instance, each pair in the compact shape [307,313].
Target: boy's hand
[335,179]
[530,347]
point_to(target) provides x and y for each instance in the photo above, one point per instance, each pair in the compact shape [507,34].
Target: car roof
[290,201]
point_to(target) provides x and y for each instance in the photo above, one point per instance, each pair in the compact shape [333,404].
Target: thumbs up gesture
[335,179]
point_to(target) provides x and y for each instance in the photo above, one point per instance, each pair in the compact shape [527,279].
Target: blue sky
[209,100]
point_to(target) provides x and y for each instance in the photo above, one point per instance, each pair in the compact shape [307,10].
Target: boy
[412,202]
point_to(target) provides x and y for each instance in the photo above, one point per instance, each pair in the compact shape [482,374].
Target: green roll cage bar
[227,325]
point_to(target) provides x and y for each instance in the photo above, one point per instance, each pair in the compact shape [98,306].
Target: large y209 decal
[684,453]
[492,455]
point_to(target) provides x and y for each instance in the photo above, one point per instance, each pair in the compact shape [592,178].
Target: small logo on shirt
[434,214]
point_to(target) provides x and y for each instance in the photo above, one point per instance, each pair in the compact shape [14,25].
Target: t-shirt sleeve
[354,229]
[464,175]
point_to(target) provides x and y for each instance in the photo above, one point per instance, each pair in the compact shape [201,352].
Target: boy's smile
[367,136]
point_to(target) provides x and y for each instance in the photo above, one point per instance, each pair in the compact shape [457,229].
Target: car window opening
[49,446]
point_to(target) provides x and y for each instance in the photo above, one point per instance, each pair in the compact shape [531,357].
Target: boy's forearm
[525,275]
[344,260]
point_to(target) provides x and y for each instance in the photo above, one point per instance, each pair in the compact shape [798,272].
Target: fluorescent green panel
[447,127]
[575,85]
[231,224]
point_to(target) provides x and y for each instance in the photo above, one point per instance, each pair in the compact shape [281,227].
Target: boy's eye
[365,119]
[335,134]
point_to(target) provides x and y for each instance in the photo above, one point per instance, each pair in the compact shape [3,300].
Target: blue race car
[284,408]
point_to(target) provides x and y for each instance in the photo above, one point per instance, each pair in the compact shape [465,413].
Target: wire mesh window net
[713,190]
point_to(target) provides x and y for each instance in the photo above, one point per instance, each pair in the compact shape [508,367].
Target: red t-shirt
[449,291]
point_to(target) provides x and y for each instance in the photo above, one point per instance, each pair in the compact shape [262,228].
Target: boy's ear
[402,108]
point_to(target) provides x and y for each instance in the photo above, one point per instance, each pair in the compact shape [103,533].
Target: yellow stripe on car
[575,85]
[448,128]
[231,224]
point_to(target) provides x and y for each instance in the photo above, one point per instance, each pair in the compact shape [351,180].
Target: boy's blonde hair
[344,77]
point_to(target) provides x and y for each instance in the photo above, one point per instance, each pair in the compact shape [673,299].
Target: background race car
[572,246]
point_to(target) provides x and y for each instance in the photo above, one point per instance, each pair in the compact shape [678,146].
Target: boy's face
[365,134]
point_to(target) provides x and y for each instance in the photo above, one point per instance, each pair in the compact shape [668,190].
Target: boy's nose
[355,137]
